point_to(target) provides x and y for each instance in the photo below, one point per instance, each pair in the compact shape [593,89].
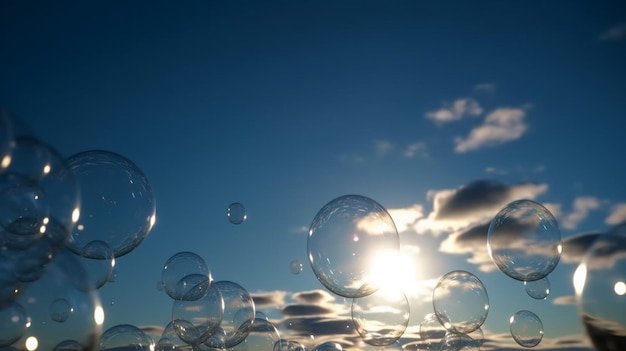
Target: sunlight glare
[390,269]
[620,288]
[31,343]
[580,275]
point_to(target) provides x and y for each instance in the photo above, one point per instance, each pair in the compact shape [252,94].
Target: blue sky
[442,112]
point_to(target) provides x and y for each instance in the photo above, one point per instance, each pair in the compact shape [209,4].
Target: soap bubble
[63,279]
[295,267]
[125,337]
[524,240]
[186,276]
[60,310]
[458,342]
[460,302]
[263,336]
[382,317]
[68,345]
[98,261]
[526,328]
[431,330]
[118,206]
[600,284]
[538,289]
[239,312]
[37,190]
[345,236]
[195,320]
[328,346]
[236,213]
[13,324]
[169,340]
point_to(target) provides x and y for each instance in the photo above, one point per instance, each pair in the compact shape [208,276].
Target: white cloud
[457,110]
[500,126]
[417,148]
[565,300]
[382,147]
[618,214]
[581,208]
[405,218]
[615,33]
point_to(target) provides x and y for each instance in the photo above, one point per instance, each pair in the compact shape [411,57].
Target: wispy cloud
[405,218]
[581,208]
[617,215]
[382,147]
[564,300]
[500,126]
[489,88]
[416,149]
[460,108]
[615,33]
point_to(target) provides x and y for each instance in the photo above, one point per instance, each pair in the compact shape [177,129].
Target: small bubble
[538,289]
[60,310]
[236,213]
[295,267]
[526,328]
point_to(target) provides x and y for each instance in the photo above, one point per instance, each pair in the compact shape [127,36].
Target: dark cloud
[477,194]
[306,310]
[314,296]
[340,326]
[265,299]
[473,235]
[575,247]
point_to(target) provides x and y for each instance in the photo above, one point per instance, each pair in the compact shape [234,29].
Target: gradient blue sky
[285,105]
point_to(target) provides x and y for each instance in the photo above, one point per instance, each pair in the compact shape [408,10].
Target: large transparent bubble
[61,306]
[600,284]
[460,302]
[382,317]
[186,276]
[117,202]
[524,240]
[345,237]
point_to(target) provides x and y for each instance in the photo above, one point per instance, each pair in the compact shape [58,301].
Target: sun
[394,269]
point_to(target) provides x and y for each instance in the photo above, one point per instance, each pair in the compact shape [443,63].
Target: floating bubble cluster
[64,221]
